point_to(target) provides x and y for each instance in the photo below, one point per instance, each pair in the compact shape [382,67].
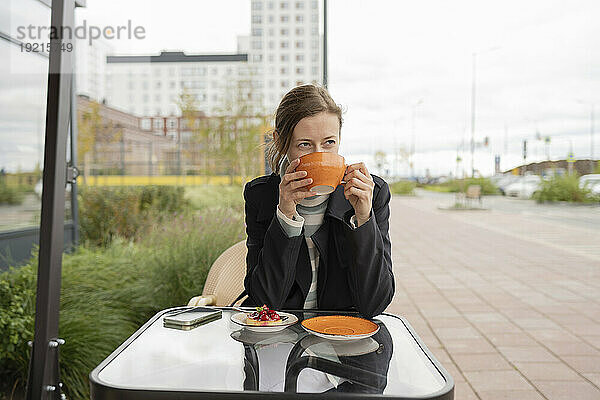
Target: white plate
[341,337]
[240,319]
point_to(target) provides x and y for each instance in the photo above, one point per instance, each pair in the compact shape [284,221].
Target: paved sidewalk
[511,311]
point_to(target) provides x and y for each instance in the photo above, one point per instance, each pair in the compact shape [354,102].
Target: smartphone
[192,318]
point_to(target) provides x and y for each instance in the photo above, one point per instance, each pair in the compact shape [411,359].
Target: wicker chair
[225,280]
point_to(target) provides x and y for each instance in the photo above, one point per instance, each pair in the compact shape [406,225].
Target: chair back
[225,279]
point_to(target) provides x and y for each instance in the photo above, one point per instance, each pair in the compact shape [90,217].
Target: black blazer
[355,265]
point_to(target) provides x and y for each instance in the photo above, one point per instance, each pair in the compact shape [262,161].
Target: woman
[329,252]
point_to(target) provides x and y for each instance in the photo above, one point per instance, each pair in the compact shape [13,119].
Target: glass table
[222,360]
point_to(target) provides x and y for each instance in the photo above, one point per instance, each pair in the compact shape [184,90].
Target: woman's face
[317,133]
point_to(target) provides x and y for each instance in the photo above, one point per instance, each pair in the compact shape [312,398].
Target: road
[507,299]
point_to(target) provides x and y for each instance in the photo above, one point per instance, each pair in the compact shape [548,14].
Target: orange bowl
[325,169]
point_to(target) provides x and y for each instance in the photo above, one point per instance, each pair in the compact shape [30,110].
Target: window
[271,44]
[257,19]
[284,31]
[299,31]
[284,44]
[271,19]
[299,44]
[315,4]
[257,44]
[284,84]
[283,71]
[284,18]
[315,44]
[299,5]
[271,58]
[271,84]
[257,5]
[299,70]
[284,57]
[299,57]
[315,57]
[299,18]
[257,57]
[314,31]
[257,31]
[271,5]
[284,5]
[314,18]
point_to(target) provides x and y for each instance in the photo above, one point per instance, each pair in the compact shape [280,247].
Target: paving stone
[526,354]
[583,363]
[565,390]
[481,362]
[555,371]
[594,378]
[508,394]
[483,381]
[462,391]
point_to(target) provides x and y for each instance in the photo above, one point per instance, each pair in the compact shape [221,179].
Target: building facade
[152,85]
[285,46]
[283,50]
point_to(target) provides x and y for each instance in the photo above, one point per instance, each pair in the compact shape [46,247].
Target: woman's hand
[358,190]
[291,189]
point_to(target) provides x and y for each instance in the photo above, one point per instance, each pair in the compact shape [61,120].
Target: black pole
[43,381]
[325,43]
[74,135]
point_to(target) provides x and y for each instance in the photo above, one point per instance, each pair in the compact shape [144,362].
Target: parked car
[524,187]
[592,182]
[504,181]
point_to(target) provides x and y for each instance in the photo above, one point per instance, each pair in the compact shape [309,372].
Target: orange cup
[325,169]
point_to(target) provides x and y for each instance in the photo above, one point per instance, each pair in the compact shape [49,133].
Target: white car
[524,187]
[504,181]
[592,182]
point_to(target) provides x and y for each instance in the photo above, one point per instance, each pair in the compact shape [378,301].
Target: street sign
[571,157]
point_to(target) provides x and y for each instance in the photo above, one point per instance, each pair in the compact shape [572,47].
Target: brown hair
[300,102]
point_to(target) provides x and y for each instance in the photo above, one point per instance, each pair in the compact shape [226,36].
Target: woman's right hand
[291,189]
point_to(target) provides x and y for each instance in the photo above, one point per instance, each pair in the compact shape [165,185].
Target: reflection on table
[222,357]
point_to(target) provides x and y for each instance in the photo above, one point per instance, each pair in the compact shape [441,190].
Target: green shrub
[461,185]
[564,188]
[10,194]
[403,187]
[215,196]
[107,293]
[127,212]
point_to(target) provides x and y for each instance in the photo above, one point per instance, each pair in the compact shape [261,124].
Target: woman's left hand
[358,190]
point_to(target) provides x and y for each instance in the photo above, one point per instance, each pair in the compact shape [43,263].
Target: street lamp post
[473,102]
[592,123]
[413,136]
[473,117]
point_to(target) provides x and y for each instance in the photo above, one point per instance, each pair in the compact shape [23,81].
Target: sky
[404,70]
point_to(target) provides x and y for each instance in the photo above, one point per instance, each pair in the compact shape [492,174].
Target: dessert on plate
[263,316]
